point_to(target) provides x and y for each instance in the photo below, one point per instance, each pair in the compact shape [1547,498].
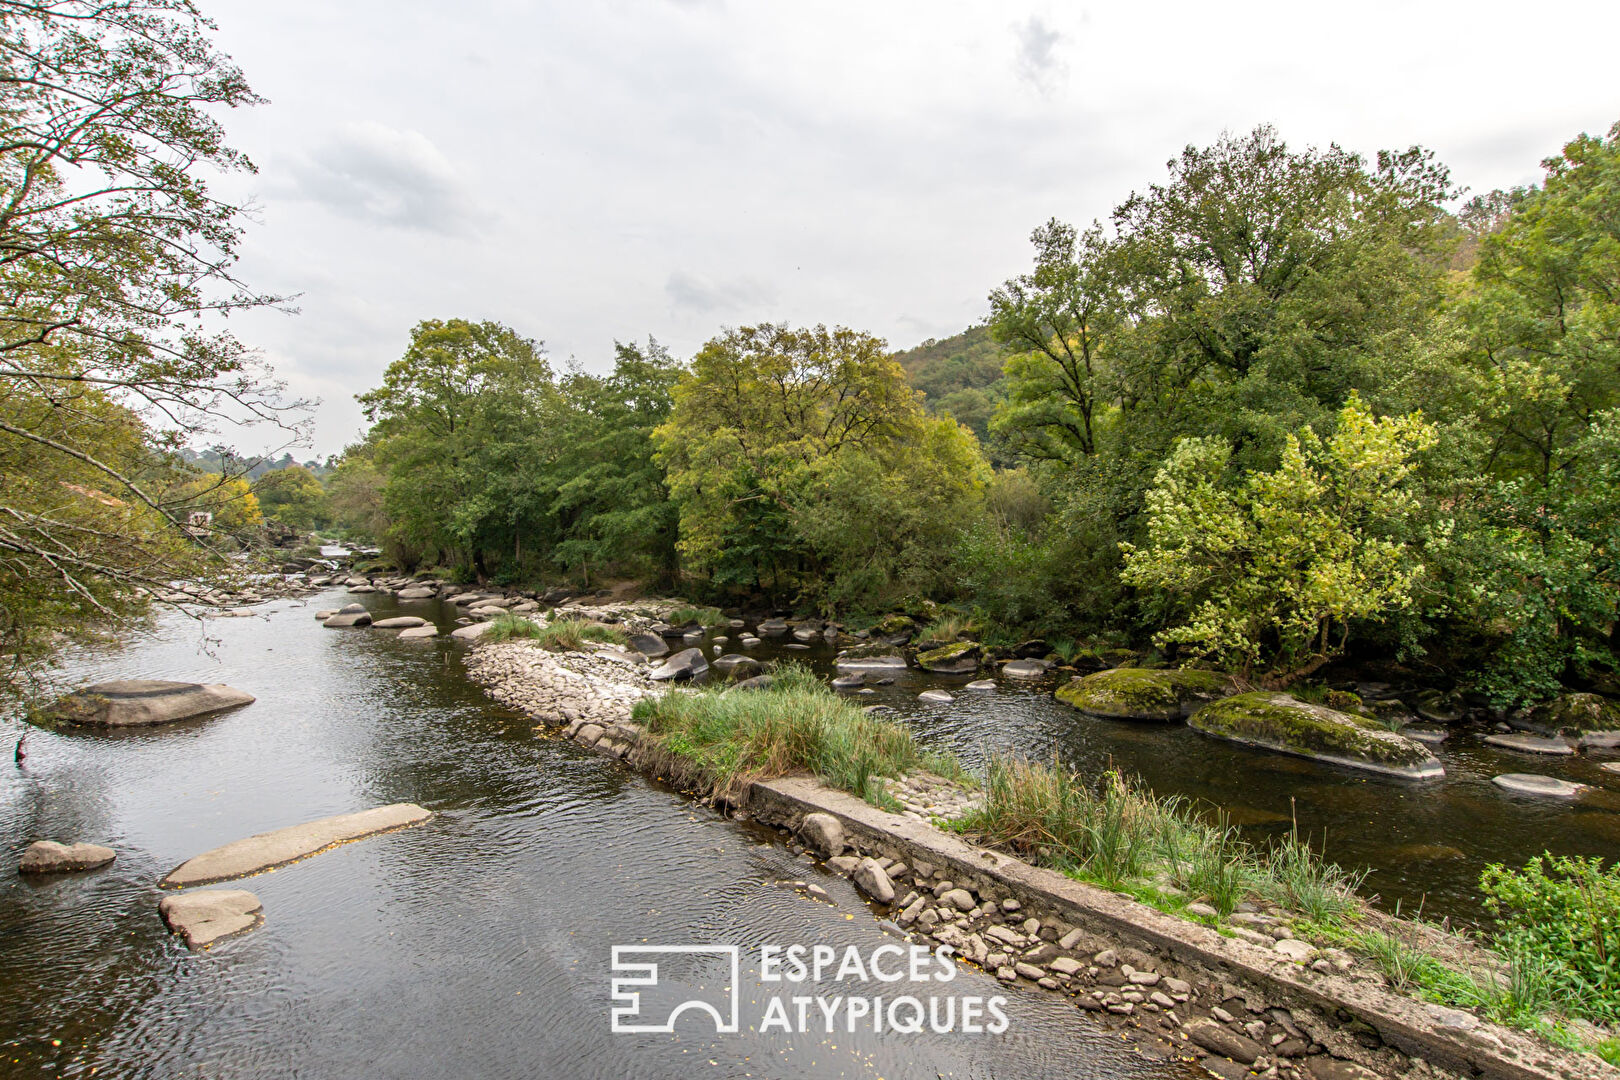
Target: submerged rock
[685,664]
[1145,693]
[957,659]
[50,857]
[1281,722]
[1584,719]
[133,702]
[265,851]
[206,916]
[1532,784]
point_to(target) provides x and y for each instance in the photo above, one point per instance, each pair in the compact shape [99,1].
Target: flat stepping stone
[1610,766]
[1531,784]
[399,622]
[341,621]
[938,696]
[135,702]
[473,632]
[1426,735]
[265,851]
[420,632]
[50,857]
[1024,669]
[1533,744]
[206,916]
[981,684]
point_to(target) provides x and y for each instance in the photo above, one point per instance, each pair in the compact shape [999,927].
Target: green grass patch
[507,626]
[720,741]
[560,635]
[1112,831]
[703,616]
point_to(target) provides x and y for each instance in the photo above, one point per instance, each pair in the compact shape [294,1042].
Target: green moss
[952,657]
[1144,694]
[1283,722]
[1575,715]
[895,624]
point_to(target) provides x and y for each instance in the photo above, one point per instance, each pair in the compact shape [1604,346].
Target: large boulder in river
[960,658]
[50,857]
[134,702]
[1583,719]
[1145,693]
[686,664]
[1282,722]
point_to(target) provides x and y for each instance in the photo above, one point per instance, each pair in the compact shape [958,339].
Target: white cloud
[696,293]
[373,172]
[1037,61]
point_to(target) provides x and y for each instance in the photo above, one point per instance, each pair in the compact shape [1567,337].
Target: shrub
[1566,910]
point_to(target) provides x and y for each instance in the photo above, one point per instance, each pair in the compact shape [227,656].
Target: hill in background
[959,375]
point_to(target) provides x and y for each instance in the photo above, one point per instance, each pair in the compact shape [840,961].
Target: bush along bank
[1264,945]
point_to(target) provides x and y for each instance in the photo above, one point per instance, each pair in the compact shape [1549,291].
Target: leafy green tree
[115,258]
[611,502]
[782,440]
[1269,574]
[293,496]
[451,425]
[1054,322]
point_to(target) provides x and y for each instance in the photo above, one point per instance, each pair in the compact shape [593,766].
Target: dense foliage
[115,263]
[1285,406]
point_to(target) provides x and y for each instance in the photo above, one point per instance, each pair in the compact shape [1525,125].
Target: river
[476,945]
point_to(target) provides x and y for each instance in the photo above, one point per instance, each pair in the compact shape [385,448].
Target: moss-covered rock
[1282,722]
[957,659]
[1585,719]
[895,624]
[1143,694]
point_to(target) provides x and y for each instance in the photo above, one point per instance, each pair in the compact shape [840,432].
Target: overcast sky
[591,171]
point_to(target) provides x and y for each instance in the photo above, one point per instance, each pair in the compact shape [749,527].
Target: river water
[476,945]
[1422,845]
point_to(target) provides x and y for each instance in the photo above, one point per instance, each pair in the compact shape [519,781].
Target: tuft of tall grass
[506,626]
[703,616]
[559,635]
[946,629]
[1298,878]
[722,742]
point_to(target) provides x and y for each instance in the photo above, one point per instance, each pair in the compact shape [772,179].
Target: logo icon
[721,1005]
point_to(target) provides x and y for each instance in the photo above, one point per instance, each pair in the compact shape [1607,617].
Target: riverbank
[1351,1021]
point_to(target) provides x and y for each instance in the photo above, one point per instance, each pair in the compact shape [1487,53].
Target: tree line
[1282,405]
